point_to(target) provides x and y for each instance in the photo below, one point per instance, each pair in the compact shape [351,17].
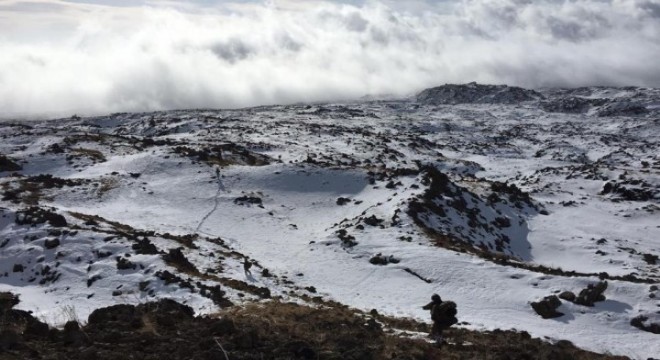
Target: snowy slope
[491,205]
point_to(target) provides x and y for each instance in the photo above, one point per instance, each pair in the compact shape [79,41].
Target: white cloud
[71,57]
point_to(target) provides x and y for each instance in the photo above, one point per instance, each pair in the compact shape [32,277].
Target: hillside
[374,205]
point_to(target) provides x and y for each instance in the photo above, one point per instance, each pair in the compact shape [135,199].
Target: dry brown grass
[330,333]
[107,184]
[338,332]
[90,153]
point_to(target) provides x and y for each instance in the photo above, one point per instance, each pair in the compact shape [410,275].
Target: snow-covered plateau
[494,197]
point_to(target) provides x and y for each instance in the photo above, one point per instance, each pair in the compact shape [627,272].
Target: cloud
[87,57]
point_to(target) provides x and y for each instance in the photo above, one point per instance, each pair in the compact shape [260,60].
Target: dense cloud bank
[63,57]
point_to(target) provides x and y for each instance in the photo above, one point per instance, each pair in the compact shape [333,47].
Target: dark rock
[18,268]
[343,201]
[125,264]
[73,336]
[650,259]
[572,104]
[547,307]
[474,93]
[6,164]
[145,247]
[55,149]
[380,259]
[346,239]
[252,200]
[626,191]
[568,296]
[592,294]
[622,108]
[112,316]
[143,285]
[57,220]
[169,308]
[36,215]
[373,220]
[176,258]
[641,322]
[35,328]
[51,243]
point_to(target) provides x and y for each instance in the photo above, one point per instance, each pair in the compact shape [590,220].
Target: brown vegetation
[271,330]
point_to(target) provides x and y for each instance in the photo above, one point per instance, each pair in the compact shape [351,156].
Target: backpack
[444,311]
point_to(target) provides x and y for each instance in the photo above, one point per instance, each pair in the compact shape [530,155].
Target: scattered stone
[36,215]
[346,239]
[373,220]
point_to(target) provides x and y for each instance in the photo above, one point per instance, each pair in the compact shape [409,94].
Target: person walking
[247,264]
[443,314]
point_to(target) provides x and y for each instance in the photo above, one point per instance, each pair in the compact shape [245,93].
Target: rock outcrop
[474,93]
[547,307]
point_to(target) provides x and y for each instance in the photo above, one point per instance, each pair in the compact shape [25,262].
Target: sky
[101,56]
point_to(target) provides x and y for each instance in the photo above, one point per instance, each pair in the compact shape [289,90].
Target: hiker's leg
[438,337]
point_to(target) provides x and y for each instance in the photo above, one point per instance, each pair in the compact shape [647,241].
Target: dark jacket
[441,320]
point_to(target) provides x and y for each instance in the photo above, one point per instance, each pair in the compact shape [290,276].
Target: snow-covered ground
[314,192]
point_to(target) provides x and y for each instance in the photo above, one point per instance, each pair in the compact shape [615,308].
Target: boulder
[51,243]
[380,259]
[568,296]
[6,164]
[547,307]
[116,316]
[592,294]
[72,335]
[642,322]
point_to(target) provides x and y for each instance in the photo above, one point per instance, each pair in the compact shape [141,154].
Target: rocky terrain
[517,204]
